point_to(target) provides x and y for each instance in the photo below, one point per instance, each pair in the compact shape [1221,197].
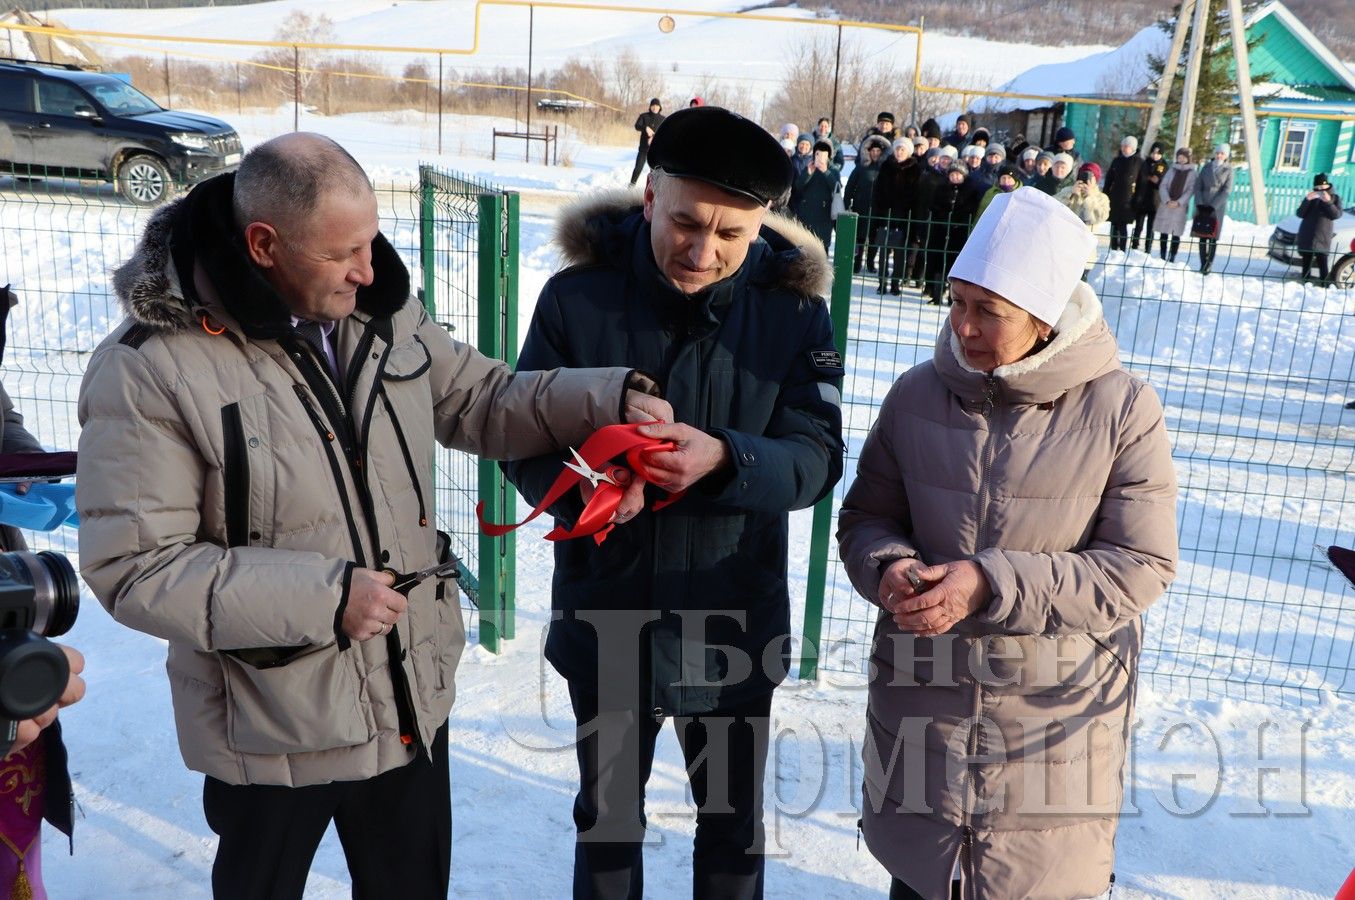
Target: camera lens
[33,673]
[64,590]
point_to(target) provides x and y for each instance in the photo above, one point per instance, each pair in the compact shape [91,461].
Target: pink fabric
[23,783]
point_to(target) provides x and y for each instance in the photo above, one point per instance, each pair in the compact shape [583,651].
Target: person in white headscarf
[1012,516]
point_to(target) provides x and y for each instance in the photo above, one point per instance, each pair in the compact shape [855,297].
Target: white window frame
[1309,130]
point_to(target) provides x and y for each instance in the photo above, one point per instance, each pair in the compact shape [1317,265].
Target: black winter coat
[1122,180]
[751,360]
[647,120]
[894,190]
[1315,232]
[861,183]
[811,199]
[1051,184]
[952,214]
[1146,194]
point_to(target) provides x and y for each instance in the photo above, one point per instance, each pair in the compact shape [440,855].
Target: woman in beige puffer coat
[1013,514]
[1090,204]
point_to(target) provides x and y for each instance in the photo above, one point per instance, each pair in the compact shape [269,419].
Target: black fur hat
[722,148]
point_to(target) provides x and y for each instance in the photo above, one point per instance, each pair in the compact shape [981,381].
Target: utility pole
[837,70]
[917,68]
[1244,95]
[296,88]
[1193,66]
[1164,87]
[527,143]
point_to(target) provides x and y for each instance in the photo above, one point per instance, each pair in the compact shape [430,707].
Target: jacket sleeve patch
[828,362]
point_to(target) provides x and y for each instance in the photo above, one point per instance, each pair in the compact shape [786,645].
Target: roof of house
[38,46]
[1124,73]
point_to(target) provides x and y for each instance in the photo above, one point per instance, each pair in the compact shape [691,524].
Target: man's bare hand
[632,498]
[372,606]
[642,407]
[697,455]
[29,729]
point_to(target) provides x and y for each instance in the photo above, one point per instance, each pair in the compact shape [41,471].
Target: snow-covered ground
[1227,798]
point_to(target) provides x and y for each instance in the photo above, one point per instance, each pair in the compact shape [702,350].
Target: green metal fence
[1254,369]
[468,261]
[62,239]
[1284,192]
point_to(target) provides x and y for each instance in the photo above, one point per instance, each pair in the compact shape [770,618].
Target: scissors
[406,581]
[585,471]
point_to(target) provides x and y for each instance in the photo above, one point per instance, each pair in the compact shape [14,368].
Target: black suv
[62,121]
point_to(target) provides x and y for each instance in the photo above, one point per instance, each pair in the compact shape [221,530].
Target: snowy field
[697,53]
[1228,798]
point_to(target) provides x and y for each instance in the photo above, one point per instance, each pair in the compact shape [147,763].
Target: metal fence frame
[1264,456]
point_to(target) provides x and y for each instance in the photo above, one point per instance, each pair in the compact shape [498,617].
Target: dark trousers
[1119,235]
[641,156]
[1143,224]
[396,831]
[1309,259]
[726,756]
[865,241]
[894,242]
[1175,246]
[900,891]
[1208,247]
[939,261]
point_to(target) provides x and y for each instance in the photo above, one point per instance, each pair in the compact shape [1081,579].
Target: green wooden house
[1296,78]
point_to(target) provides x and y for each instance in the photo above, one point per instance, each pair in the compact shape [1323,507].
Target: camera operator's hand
[372,606]
[29,729]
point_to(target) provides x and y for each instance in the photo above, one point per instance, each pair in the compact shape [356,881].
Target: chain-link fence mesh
[1254,369]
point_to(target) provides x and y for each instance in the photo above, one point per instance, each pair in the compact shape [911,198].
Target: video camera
[39,598]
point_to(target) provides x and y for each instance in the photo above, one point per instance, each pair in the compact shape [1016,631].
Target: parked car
[1342,258]
[61,121]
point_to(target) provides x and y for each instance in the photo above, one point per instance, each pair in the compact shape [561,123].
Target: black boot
[894,287]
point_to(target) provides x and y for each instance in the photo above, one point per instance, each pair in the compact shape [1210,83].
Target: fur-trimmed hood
[156,286]
[886,147]
[588,232]
[1081,349]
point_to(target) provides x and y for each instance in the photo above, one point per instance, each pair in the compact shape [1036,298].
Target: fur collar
[1082,349]
[587,232]
[155,286]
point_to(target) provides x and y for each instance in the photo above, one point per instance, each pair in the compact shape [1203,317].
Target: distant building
[1295,77]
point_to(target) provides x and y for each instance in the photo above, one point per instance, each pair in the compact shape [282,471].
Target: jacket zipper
[327,437]
[395,654]
[409,459]
[235,476]
[990,409]
[990,391]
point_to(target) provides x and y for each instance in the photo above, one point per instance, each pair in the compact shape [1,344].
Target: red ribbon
[602,446]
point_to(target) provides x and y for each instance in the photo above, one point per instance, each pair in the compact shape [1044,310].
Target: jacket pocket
[235,476]
[308,705]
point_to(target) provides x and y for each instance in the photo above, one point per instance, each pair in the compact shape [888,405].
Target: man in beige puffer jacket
[244,488]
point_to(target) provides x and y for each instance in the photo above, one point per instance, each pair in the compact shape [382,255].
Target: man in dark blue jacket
[684,613]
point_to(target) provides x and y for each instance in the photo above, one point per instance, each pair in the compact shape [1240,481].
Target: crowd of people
[919,193]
